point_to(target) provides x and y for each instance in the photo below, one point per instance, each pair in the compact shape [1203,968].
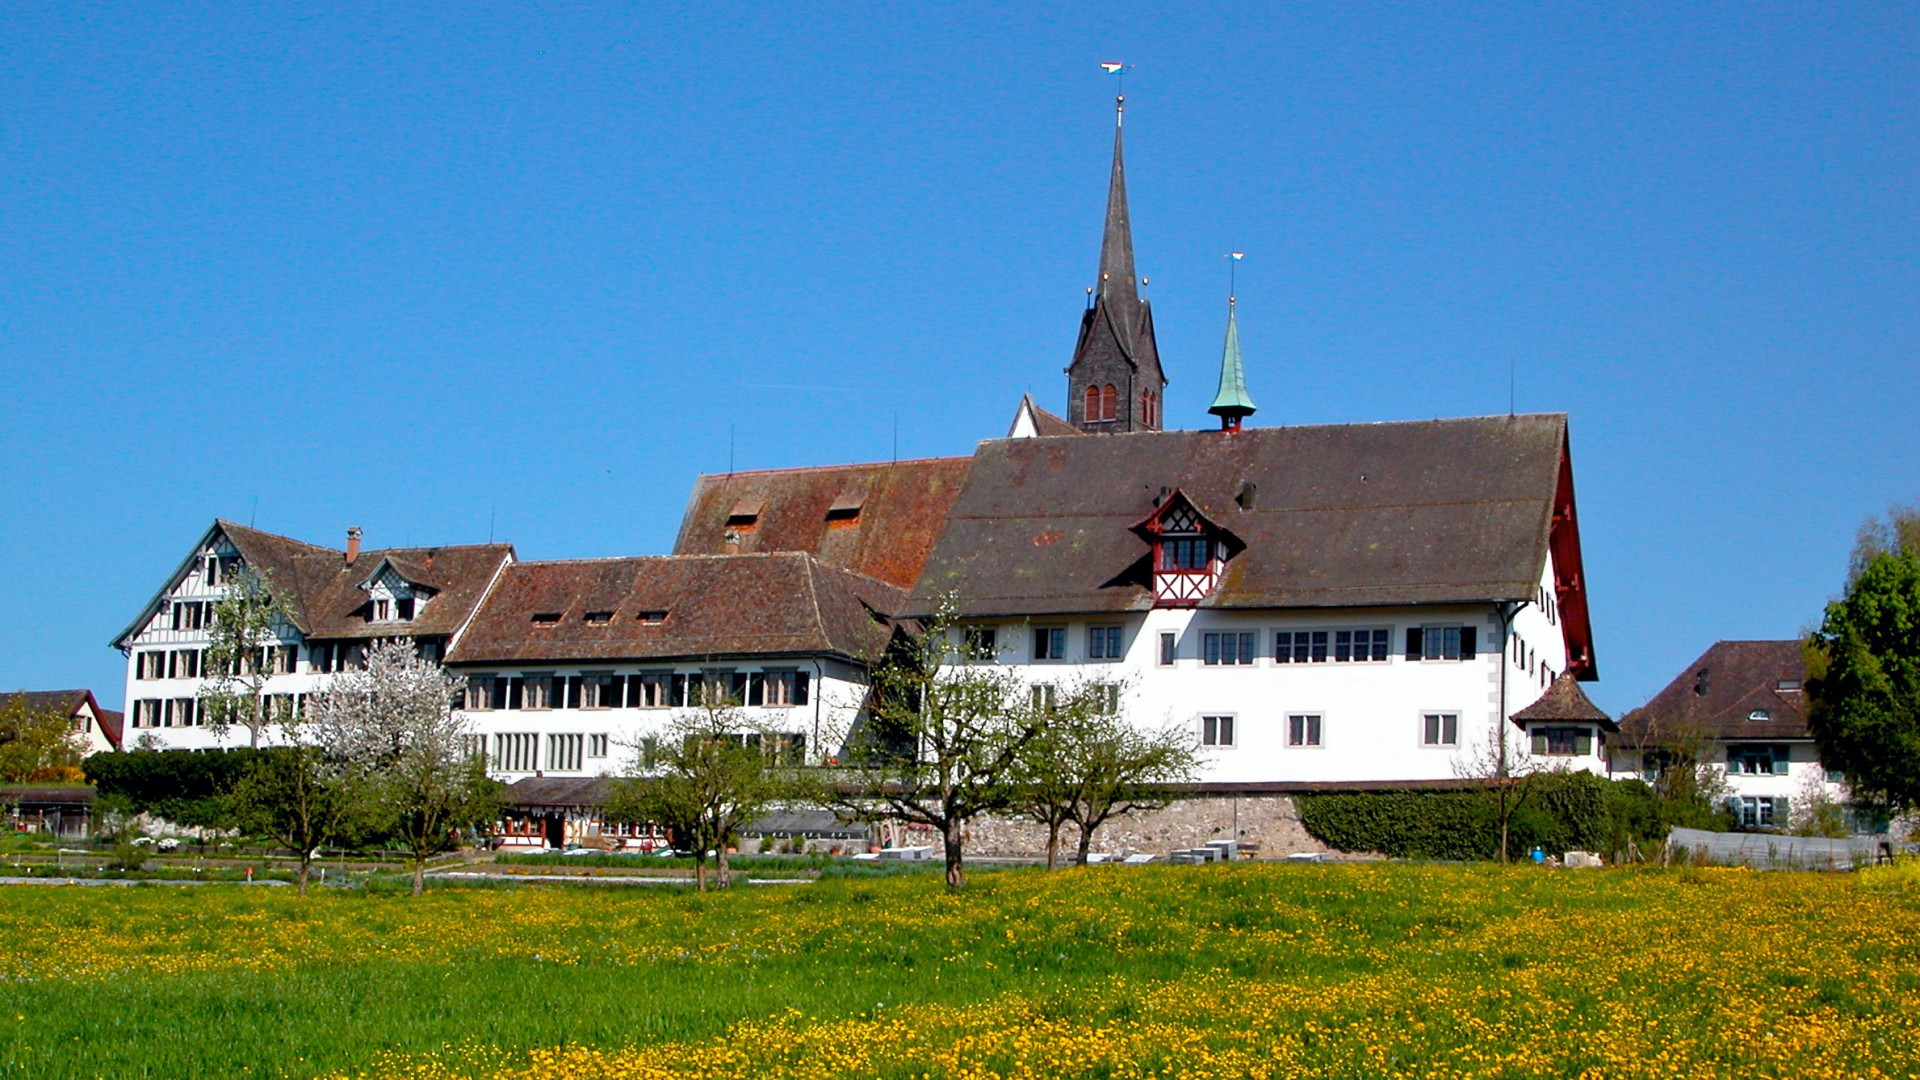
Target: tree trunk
[956,869]
[1086,842]
[306,868]
[1053,844]
[723,874]
[419,873]
[700,868]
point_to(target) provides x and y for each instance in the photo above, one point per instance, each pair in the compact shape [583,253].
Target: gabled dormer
[1189,550]
[396,591]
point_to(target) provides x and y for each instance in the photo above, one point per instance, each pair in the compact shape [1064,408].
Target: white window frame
[1312,724]
[1441,732]
[1210,724]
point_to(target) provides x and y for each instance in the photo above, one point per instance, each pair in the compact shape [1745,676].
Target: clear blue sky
[419,271]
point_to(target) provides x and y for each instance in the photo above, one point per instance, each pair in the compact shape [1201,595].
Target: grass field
[1370,970]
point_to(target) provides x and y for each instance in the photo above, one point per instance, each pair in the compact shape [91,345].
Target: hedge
[1565,812]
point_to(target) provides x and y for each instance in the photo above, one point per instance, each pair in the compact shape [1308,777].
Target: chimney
[353,543]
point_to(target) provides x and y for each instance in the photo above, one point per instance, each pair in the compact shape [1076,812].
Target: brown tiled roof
[901,508]
[113,724]
[542,791]
[1419,512]
[1716,694]
[1564,700]
[64,702]
[780,604]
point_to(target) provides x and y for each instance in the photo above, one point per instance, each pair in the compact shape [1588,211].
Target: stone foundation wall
[1269,821]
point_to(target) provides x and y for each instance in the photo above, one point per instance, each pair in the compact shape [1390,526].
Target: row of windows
[192,664]
[644,690]
[189,712]
[1238,647]
[1308,730]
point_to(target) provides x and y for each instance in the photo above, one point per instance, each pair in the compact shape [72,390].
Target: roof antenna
[1509,386]
[729,449]
[255,512]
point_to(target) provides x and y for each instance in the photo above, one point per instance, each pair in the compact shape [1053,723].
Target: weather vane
[1118,70]
[1233,262]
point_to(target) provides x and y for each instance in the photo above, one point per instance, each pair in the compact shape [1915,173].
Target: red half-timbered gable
[1187,551]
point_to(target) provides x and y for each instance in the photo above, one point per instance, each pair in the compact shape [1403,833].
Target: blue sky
[524,268]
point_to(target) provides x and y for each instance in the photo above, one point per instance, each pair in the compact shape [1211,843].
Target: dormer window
[599,616]
[403,608]
[745,515]
[1760,716]
[844,511]
[1188,550]
[653,618]
[382,610]
[545,618]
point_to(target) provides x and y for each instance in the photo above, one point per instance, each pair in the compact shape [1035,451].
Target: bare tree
[245,627]
[395,721]
[1508,777]
[711,772]
[1086,764]
[939,741]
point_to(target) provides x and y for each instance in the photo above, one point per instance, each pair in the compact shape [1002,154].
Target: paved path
[588,879]
[128,881]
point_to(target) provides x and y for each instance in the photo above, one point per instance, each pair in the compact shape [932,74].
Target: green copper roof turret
[1232,404]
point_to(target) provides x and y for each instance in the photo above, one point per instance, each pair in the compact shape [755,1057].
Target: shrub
[1566,812]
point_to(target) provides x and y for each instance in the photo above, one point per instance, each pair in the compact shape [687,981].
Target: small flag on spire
[1236,256]
[1112,67]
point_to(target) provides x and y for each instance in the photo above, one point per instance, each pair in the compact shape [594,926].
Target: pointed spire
[1232,404]
[1118,288]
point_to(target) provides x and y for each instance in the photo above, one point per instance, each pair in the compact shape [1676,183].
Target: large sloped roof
[322,591]
[1716,694]
[780,604]
[1368,514]
[898,508]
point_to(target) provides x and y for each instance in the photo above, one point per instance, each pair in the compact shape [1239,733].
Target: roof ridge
[827,468]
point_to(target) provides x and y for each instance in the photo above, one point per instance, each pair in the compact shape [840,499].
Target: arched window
[1109,404]
[1092,411]
[1147,404]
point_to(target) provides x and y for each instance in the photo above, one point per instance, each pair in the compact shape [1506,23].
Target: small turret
[1231,404]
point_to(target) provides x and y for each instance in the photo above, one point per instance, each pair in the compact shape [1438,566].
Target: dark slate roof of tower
[1435,511]
[1118,289]
[1715,696]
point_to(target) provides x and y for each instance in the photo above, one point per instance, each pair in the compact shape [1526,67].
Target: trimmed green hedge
[1565,812]
[187,787]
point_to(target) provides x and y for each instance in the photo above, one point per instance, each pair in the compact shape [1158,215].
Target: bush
[1566,812]
[186,787]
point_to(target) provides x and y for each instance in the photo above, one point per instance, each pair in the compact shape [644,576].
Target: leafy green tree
[940,742]
[245,627]
[35,742]
[302,794]
[712,772]
[1863,687]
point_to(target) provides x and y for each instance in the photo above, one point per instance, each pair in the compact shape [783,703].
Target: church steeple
[1231,404]
[1114,383]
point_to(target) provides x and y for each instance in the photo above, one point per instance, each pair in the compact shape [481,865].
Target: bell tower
[1114,383]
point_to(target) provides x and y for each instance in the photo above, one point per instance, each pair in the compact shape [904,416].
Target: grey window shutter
[1583,743]
[1467,635]
[1540,742]
[1413,643]
[1782,756]
[756,689]
[800,688]
[1781,808]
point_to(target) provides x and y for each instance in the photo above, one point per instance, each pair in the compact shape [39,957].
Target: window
[1440,642]
[482,692]
[1044,696]
[146,713]
[1303,729]
[151,665]
[1300,647]
[515,752]
[1169,649]
[1216,731]
[279,708]
[1757,759]
[1092,409]
[1440,729]
[181,712]
[1562,741]
[656,689]
[1102,403]
[1759,812]
[980,642]
[843,513]
[189,615]
[183,664]
[1049,643]
[1787,685]
[546,618]
[722,686]
[1360,646]
[1104,698]
[403,608]
[564,752]
[1226,649]
[599,692]
[652,618]
[596,746]
[1191,554]
[536,692]
[382,611]
[1760,716]
[597,617]
[1103,643]
[780,689]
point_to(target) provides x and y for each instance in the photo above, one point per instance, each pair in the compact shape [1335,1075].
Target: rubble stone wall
[1269,821]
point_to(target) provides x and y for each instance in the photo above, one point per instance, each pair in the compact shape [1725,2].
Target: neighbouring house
[1740,708]
[572,666]
[98,727]
[337,603]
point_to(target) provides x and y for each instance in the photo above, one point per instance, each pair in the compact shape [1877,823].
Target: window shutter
[677,694]
[800,688]
[1540,743]
[1781,808]
[757,689]
[513,693]
[1782,756]
[1414,643]
[1583,742]
[1467,636]
[1733,807]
